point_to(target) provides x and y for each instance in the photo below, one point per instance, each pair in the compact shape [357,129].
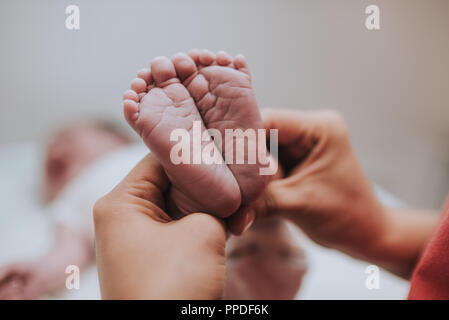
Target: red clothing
[431,277]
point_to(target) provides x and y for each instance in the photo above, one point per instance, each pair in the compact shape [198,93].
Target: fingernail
[250,216]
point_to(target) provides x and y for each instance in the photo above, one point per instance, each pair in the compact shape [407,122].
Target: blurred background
[391,85]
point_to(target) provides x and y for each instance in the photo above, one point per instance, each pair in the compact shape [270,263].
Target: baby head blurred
[75,147]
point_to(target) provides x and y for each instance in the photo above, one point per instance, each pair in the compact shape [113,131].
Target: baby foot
[156,105]
[216,92]
[221,88]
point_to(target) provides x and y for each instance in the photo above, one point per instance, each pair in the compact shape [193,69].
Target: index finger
[292,124]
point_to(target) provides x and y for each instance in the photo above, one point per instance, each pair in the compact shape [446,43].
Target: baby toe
[195,55]
[207,57]
[131,95]
[184,65]
[131,111]
[145,75]
[223,58]
[162,70]
[138,85]
[241,64]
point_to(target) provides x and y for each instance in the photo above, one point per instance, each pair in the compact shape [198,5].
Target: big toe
[184,65]
[162,70]
[223,58]
[241,64]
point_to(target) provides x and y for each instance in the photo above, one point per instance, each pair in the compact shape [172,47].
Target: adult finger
[141,191]
[241,221]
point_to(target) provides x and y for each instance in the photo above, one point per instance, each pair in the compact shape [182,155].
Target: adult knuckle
[335,123]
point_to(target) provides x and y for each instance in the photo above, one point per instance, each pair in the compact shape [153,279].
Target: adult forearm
[405,234]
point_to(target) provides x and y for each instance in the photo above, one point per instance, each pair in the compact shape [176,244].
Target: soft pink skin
[264,263]
[71,150]
[201,86]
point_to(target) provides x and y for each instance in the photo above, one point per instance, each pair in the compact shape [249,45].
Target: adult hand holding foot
[144,254]
[327,195]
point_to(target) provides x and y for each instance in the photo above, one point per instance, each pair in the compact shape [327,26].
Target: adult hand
[327,195]
[144,254]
